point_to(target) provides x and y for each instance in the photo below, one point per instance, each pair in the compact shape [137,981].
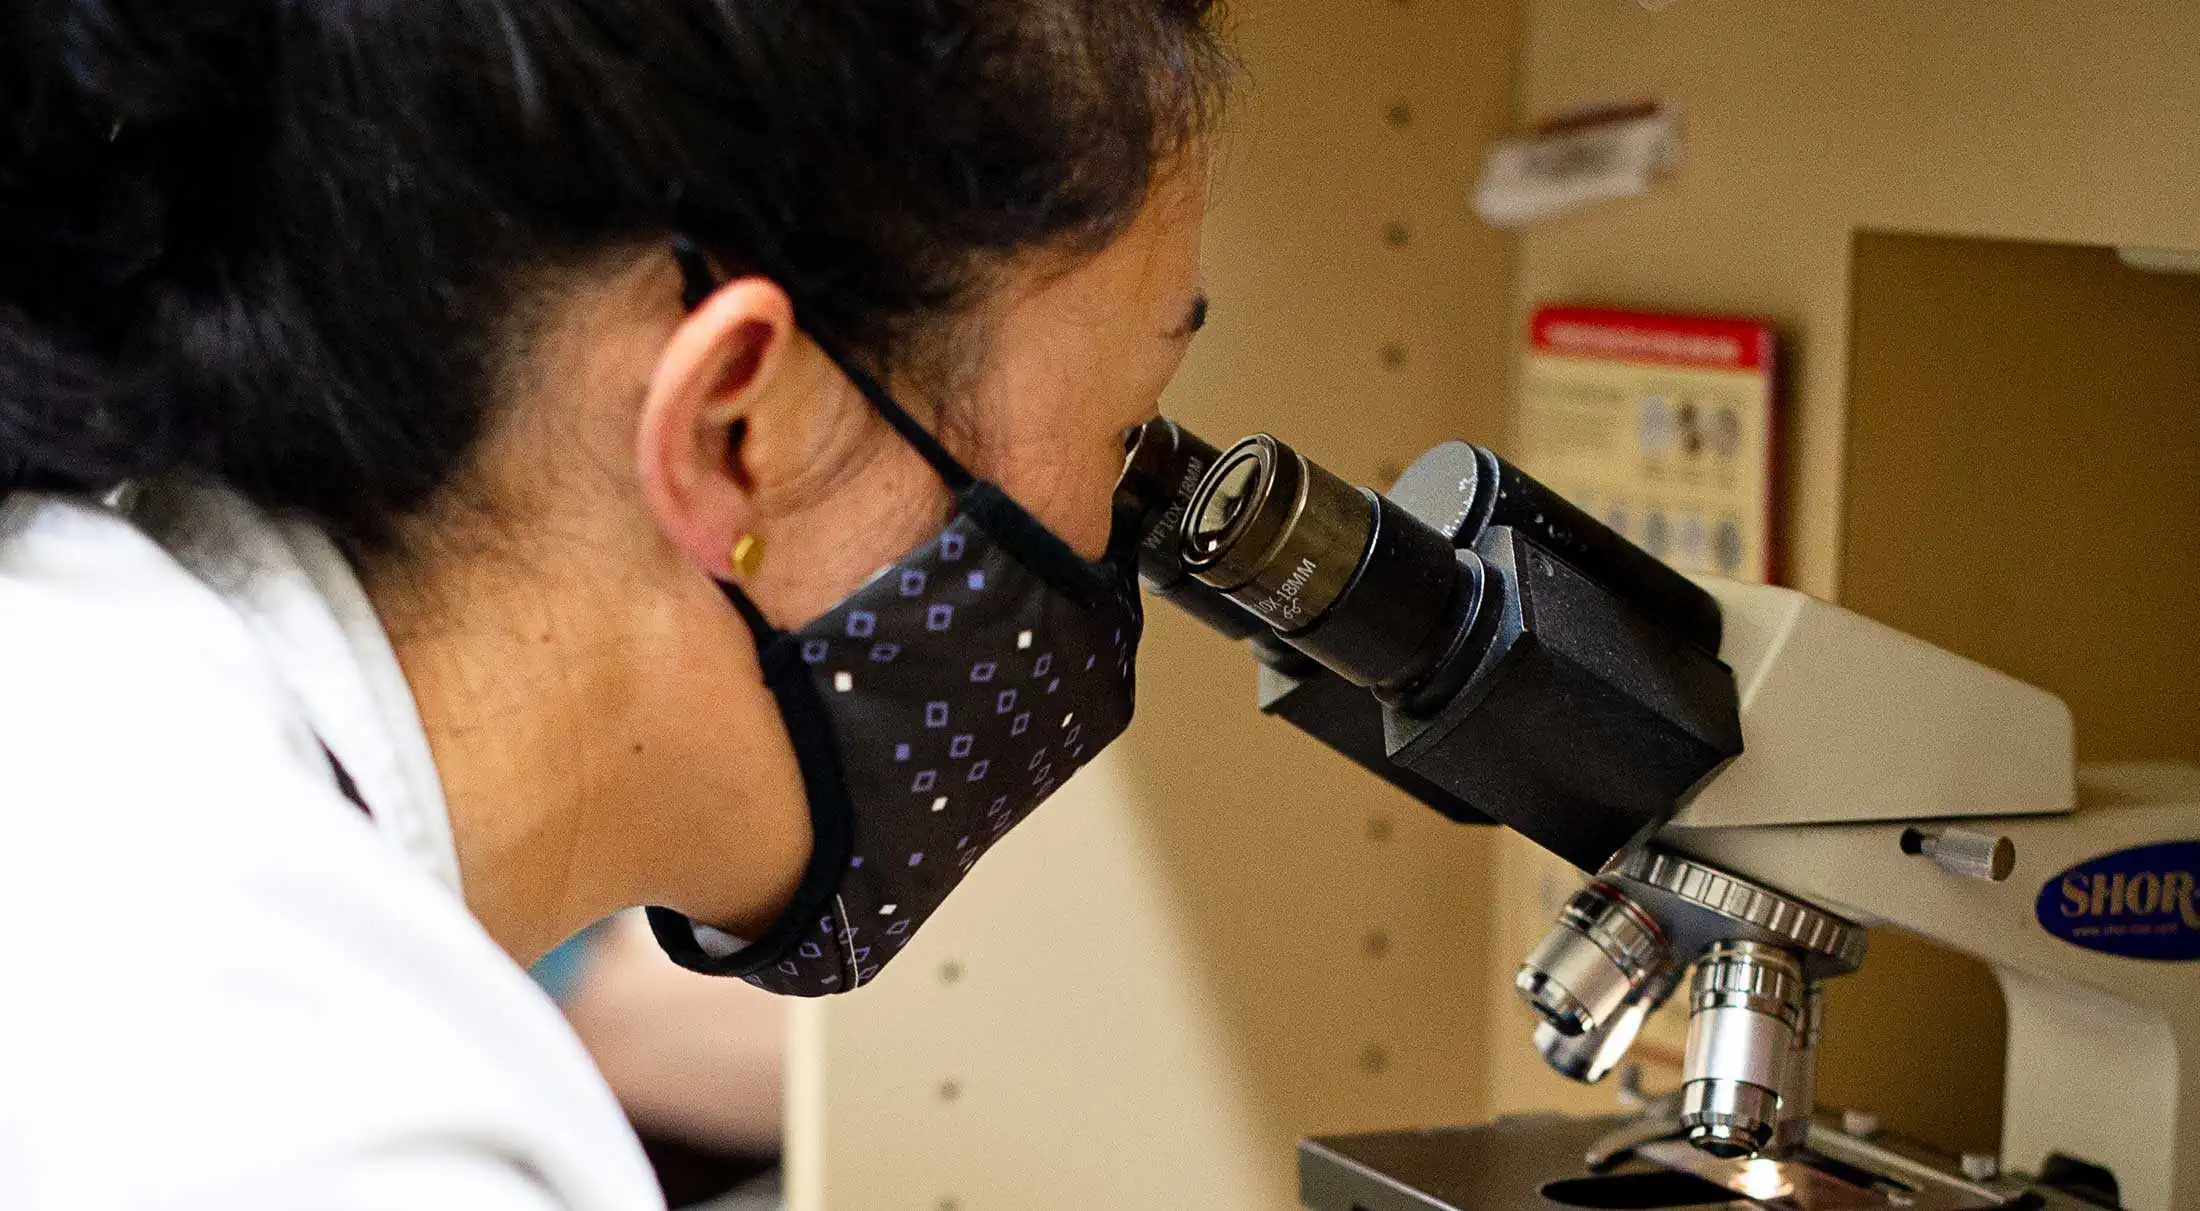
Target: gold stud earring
[748,556]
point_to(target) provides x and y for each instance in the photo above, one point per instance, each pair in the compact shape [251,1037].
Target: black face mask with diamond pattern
[931,711]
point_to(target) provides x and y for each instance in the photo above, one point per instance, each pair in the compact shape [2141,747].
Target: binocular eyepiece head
[1516,659]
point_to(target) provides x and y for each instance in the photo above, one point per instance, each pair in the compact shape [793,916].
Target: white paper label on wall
[1573,162]
[1662,426]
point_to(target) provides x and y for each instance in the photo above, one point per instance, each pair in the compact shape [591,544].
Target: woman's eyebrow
[1195,318]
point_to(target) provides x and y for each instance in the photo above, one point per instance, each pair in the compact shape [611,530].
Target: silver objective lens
[1746,1007]
[1603,953]
[1590,1056]
[1799,1089]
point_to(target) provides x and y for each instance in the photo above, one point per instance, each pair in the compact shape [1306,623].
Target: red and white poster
[1665,427]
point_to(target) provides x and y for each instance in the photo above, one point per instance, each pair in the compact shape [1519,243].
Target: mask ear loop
[698,283]
[1039,547]
[956,476]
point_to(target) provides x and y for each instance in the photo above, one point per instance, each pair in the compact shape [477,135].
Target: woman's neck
[595,757]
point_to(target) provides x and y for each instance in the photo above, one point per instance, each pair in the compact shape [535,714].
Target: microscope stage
[1535,1163]
[1500,1166]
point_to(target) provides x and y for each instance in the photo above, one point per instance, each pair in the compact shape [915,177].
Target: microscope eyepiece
[1223,511]
[1281,535]
[1338,572]
[1163,464]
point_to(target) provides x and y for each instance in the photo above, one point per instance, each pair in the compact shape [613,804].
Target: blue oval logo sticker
[2141,903]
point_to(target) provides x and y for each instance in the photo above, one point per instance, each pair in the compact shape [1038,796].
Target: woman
[472,466]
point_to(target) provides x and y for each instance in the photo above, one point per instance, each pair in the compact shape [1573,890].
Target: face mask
[931,711]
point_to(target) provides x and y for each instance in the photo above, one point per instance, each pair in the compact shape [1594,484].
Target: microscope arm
[1848,719]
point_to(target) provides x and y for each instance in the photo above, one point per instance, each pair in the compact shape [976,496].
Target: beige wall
[2024,473]
[1811,120]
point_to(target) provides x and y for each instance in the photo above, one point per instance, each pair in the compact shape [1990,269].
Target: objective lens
[1799,1087]
[1589,1057]
[1746,1006]
[1338,572]
[1603,953]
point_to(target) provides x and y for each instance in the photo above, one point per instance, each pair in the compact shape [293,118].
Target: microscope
[1749,779]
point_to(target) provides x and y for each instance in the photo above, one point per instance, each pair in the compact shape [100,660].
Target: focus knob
[1982,856]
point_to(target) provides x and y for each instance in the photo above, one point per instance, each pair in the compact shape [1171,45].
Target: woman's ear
[725,373]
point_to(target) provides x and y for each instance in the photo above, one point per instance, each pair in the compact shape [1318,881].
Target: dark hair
[281,245]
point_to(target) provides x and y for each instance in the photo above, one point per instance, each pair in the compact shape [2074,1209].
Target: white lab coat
[221,984]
